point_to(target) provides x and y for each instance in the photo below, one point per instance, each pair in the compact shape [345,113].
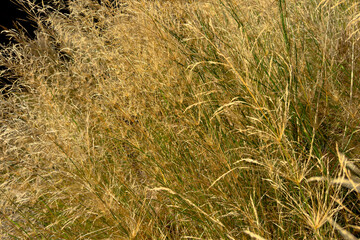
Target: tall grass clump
[211,119]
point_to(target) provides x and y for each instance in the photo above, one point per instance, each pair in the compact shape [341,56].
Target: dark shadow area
[14,16]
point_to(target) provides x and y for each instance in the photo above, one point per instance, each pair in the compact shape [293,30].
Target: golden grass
[183,120]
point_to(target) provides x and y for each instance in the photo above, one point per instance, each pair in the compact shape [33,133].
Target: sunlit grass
[183,120]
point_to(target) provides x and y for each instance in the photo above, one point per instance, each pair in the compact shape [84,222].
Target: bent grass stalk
[211,119]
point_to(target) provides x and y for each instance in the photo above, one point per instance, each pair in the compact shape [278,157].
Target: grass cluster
[211,119]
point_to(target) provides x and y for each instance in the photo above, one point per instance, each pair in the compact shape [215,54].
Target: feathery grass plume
[211,119]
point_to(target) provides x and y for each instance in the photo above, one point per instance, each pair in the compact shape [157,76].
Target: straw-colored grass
[212,119]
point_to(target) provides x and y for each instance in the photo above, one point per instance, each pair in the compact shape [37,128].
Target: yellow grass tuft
[211,119]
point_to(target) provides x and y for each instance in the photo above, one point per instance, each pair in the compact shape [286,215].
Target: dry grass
[183,120]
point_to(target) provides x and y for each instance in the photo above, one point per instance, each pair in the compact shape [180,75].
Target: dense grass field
[187,119]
